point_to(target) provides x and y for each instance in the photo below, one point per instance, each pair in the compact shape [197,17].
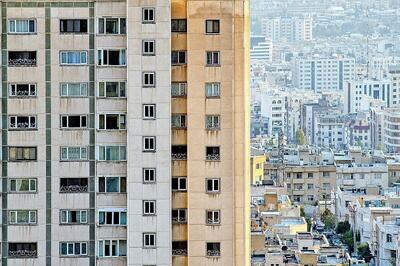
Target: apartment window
[213,89]
[213,122]
[73,153]
[73,185]
[112,121]
[22,58]
[325,174]
[213,185]
[73,58]
[149,207]
[73,26]
[179,248]
[149,240]
[213,217]
[178,216]
[389,238]
[178,184]
[73,249]
[22,153]
[73,216]
[178,121]
[310,175]
[212,58]
[148,47]
[149,111]
[148,15]
[112,153]
[111,57]
[112,248]
[110,89]
[178,89]
[149,79]
[310,198]
[178,25]
[178,57]
[310,186]
[149,144]
[22,122]
[73,121]
[23,217]
[179,152]
[22,185]
[149,175]
[22,90]
[112,184]
[212,26]
[22,250]
[22,26]
[213,154]
[112,217]
[112,25]
[73,89]
[213,249]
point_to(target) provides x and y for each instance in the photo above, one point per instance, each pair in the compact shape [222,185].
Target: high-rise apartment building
[125,132]
[322,74]
[288,29]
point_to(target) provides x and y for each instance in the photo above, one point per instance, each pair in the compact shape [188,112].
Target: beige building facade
[125,132]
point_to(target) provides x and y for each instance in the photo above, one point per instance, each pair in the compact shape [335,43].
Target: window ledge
[25,33]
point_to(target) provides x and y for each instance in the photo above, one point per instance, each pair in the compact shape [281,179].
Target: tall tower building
[125,132]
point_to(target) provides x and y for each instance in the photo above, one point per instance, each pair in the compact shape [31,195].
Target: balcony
[22,250]
[73,185]
[179,248]
[213,154]
[21,59]
[179,152]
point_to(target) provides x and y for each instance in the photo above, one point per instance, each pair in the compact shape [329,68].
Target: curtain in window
[23,217]
[64,248]
[101,218]
[122,59]
[122,248]
[123,218]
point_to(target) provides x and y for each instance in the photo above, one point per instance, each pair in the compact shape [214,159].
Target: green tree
[347,239]
[364,252]
[343,227]
[328,219]
[300,138]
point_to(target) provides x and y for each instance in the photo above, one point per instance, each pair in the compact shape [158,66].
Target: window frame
[152,238]
[30,117]
[213,219]
[120,182]
[213,55]
[22,32]
[81,52]
[81,127]
[102,244]
[31,213]
[31,87]
[22,147]
[30,186]
[67,211]
[148,21]
[120,151]
[181,119]
[100,57]
[152,172]
[149,207]
[119,90]
[144,77]
[178,22]
[74,244]
[180,87]
[212,21]
[74,32]
[119,23]
[82,150]
[121,125]
[213,190]
[179,189]
[146,53]
[215,124]
[214,87]
[112,212]
[149,105]
[180,219]
[83,86]
[177,54]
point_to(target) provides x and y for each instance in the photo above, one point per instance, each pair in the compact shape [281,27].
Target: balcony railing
[23,125]
[73,189]
[179,252]
[213,253]
[213,221]
[213,157]
[179,156]
[22,253]
[22,62]
[179,220]
[213,126]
